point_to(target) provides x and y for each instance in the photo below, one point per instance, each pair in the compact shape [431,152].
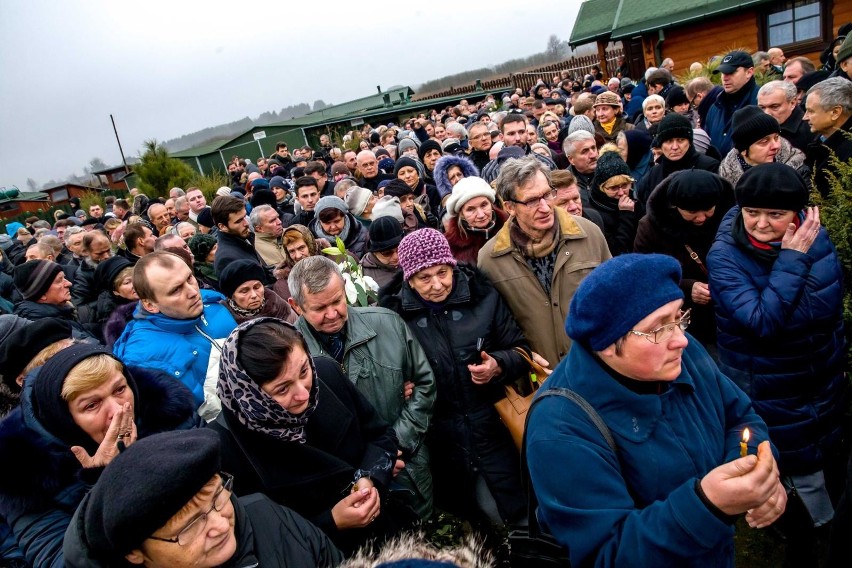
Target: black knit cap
[34,277]
[673,125]
[695,190]
[201,245]
[385,234]
[24,343]
[405,161]
[749,125]
[772,186]
[427,146]
[263,197]
[48,405]
[237,273]
[397,188]
[145,486]
[205,218]
[677,96]
[108,270]
[610,165]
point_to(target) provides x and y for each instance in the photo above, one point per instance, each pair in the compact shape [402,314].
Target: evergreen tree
[158,173]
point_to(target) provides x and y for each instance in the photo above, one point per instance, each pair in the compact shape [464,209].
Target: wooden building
[14,202]
[695,30]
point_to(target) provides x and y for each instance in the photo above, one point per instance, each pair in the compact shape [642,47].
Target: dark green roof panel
[594,20]
[638,16]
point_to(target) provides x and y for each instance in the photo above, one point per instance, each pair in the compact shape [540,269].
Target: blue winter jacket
[180,348]
[781,340]
[640,507]
[720,116]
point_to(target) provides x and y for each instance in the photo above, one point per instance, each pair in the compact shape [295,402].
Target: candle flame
[746,435]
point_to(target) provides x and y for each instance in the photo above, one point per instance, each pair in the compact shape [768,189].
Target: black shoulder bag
[532,547]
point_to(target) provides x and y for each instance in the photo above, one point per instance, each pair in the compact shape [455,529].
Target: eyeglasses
[535,202]
[196,526]
[616,188]
[664,332]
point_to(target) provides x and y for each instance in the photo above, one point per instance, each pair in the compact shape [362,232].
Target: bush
[158,173]
[835,212]
[208,184]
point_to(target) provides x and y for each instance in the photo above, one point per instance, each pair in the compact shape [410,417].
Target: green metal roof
[206,148]
[362,105]
[594,20]
[27,196]
[634,17]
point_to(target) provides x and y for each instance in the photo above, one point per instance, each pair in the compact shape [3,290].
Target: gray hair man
[778,100]
[581,150]
[540,256]
[382,358]
[268,230]
[828,110]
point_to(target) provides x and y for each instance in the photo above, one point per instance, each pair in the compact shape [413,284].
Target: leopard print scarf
[254,408]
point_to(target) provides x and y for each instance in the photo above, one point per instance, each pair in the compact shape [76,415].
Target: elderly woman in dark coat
[242,284]
[295,428]
[76,412]
[683,215]
[611,195]
[468,335]
[777,282]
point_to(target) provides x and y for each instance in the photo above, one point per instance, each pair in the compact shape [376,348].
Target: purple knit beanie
[423,249]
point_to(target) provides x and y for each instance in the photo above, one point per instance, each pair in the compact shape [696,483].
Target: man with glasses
[653,430]
[480,143]
[164,502]
[540,256]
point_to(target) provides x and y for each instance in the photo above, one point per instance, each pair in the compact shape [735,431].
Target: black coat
[797,131]
[356,241]
[267,534]
[34,311]
[84,289]
[466,438]
[232,247]
[665,167]
[343,434]
[662,230]
[619,226]
[819,155]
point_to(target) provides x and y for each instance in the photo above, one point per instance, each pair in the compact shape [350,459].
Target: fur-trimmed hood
[40,471]
[443,165]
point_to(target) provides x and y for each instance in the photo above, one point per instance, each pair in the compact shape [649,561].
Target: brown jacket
[270,249]
[580,249]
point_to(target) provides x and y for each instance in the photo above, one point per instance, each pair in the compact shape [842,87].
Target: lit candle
[744,444]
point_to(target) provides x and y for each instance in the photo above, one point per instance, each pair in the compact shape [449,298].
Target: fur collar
[442,166]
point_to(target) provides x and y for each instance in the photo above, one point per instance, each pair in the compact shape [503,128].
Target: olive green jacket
[380,356]
[580,249]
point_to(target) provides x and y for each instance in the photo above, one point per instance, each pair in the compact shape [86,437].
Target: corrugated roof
[595,19]
[198,150]
[26,196]
[637,16]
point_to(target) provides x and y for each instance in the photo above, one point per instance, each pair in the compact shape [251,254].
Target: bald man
[368,171]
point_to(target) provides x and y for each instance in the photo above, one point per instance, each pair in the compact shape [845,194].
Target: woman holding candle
[777,283]
[670,490]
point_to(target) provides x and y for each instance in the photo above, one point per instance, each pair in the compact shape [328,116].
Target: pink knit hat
[423,249]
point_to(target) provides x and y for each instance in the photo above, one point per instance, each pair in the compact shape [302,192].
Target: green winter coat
[379,364]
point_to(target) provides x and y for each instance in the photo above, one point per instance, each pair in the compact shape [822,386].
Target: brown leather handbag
[513,408]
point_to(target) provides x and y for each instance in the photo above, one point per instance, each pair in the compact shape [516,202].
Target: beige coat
[580,249]
[269,248]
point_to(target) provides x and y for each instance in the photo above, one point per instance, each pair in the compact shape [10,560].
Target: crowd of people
[193,383]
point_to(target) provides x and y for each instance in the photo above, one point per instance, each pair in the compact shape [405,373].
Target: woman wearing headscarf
[76,413]
[413,173]
[241,282]
[332,220]
[472,218]
[469,335]
[114,279]
[757,140]
[683,214]
[635,149]
[777,283]
[295,428]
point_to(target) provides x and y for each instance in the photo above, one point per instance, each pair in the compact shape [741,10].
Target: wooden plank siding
[702,40]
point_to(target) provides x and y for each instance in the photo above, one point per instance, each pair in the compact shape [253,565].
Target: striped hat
[34,277]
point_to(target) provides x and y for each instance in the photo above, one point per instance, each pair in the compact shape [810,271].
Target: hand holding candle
[744,444]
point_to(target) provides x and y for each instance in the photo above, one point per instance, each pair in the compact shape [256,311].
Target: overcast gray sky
[167,68]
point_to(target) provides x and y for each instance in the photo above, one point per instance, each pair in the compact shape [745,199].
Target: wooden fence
[526,79]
